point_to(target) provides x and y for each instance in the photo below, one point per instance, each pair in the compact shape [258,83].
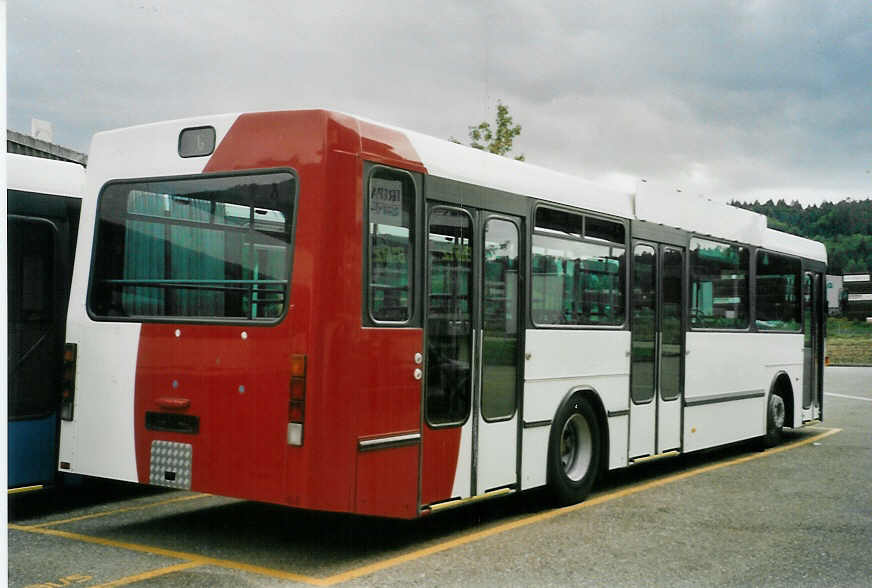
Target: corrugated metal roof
[26,145]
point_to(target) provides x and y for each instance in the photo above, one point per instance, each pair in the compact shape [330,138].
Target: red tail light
[297,400]
[68,382]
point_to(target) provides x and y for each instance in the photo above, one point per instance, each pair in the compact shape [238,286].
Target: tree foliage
[845,227]
[498,138]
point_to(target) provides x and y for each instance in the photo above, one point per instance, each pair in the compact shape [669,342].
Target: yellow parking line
[152,574]
[190,557]
[477,536]
[107,513]
[194,559]
[21,489]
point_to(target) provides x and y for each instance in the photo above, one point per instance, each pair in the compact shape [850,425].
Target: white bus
[313,309]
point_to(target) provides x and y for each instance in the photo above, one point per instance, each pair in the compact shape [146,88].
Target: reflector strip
[388,442]
[462,501]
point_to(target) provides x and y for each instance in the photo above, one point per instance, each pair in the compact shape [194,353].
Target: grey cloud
[730,99]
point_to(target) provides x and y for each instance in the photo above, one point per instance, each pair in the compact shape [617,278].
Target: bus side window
[778,297]
[718,285]
[578,270]
[390,207]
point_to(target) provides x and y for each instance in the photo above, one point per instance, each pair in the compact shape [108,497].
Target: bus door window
[671,328]
[644,326]
[808,330]
[31,298]
[500,319]
[820,332]
[813,339]
[449,316]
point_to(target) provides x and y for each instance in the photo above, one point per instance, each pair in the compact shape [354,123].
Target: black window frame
[517,222]
[654,247]
[416,241]
[750,280]
[429,361]
[624,273]
[230,321]
[756,294]
[36,402]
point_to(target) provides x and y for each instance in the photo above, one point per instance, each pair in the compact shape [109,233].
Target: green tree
[845,227]
[499,138]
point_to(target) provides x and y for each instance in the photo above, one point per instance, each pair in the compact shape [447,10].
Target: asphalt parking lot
[800,514]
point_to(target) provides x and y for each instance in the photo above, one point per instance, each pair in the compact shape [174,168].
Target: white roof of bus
[691,213]
[45,176]
[457,162]
[787,243]
[707,217]
[698,214]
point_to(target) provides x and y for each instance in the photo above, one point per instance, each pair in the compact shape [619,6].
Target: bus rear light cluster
[68,382]
[297,400]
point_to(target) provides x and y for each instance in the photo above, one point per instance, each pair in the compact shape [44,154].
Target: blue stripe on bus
[32,445]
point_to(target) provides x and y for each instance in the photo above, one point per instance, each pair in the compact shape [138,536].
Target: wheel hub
[778,411]
[575,447]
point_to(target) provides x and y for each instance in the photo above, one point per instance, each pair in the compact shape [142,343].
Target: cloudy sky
[732,99]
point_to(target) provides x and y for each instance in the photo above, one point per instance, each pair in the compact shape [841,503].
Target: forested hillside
[845,227]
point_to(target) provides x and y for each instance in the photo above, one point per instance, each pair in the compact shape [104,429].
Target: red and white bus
[312,309]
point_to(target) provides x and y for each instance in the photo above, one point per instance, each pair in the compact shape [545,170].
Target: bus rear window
[208,247]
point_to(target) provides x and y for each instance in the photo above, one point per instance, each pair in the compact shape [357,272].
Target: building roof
[22,144]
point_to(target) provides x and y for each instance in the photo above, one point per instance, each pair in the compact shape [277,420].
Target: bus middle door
[473,344]
[657,350]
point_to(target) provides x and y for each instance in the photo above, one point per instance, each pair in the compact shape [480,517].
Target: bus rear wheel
[573,452]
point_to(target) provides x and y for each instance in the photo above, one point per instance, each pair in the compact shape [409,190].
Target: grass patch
[849,342]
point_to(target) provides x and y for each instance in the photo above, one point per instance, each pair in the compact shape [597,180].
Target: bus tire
[573,451]
[774,421]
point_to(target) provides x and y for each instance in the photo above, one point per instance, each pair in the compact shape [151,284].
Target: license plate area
[170,464]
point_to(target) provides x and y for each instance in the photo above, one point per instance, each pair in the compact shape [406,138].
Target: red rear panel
[359,381]
[237,387]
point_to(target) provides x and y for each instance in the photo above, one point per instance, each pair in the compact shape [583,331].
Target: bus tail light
[68,382]
[297,400]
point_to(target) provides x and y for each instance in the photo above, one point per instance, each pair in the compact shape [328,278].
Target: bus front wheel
[573,451]
[774,421]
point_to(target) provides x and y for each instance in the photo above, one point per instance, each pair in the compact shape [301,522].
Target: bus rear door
[813,317]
